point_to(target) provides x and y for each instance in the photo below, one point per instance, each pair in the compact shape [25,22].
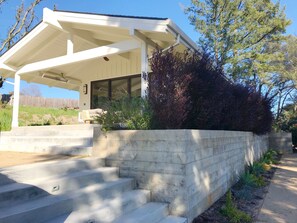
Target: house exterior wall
[189,169]
[118,66]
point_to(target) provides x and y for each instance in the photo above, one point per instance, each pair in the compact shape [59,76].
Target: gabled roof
[86,31]
[113,15]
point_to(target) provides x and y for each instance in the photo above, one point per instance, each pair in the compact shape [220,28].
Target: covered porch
[101,56]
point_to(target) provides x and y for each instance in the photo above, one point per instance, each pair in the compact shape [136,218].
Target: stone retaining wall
[281,141]
[189,169]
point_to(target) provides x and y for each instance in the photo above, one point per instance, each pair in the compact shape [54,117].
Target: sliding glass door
[114,89]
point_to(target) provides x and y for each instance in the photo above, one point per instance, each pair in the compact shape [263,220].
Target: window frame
[128,78]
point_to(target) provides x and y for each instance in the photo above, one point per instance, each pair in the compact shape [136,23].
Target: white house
[101,56]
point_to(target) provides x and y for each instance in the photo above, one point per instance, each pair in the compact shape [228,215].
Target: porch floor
[8,159]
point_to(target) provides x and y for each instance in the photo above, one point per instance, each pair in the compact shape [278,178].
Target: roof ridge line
[112,15]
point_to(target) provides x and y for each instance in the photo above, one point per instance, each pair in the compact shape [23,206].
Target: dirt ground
[18,158]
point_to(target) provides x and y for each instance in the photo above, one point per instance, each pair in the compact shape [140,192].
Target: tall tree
[23,23]
[31,90]
[282,84]
[235,32]
[24,20]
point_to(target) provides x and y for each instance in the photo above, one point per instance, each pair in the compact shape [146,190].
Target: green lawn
[37,116]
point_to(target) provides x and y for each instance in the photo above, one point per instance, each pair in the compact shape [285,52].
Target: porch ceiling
[87,32]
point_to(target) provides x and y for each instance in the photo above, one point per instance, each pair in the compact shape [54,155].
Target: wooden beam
[49,17]
[87,36]
[125,55]
[8,67]
[116,48]
[70,44]
[138,35]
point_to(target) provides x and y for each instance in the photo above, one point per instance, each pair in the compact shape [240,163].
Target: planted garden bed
[247,195]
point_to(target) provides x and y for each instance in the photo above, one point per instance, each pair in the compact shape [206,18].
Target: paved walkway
[17,158]
[280,204]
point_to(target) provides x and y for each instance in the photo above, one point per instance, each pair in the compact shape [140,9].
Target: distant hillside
[30,116]
[27,100]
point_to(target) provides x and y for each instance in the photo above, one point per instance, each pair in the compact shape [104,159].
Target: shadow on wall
[189,169]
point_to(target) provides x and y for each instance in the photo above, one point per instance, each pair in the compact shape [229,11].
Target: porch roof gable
[63,33]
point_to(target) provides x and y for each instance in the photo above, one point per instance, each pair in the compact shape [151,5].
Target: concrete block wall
[281,141]
[189,169]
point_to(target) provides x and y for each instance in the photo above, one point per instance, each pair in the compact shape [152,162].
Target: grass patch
[34,116]
[5,119]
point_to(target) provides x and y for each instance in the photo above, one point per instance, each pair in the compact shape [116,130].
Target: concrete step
[76,150]
[174,219]
[49,207]
[69,145]
[48,140]
[14,193]
[108,210]
[53,130]
[34,171]
[148,213]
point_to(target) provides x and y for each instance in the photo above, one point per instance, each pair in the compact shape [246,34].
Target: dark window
[99,93]
[114,89]
[135,87]
[119,88]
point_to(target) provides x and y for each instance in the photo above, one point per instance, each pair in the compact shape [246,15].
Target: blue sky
[172,9]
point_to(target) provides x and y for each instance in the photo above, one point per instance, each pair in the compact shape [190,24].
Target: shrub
[126,113]
[249,179]
[168,95]
[232,213]
[256,169]
[187,91]
[244,192]
[270,157]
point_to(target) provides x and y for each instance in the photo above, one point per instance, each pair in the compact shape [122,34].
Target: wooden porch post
[16,101]
[144,69]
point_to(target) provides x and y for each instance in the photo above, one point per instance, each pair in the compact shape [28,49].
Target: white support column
[16,101]
[70,45]
[144,69]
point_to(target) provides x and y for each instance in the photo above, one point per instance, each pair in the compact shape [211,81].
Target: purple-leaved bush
[187,91]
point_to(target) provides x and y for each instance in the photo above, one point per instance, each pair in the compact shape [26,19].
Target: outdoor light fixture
[54,77]
[85,89]
[106,58]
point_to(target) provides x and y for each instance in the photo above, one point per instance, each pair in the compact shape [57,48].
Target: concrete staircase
[64,139]
[76,190]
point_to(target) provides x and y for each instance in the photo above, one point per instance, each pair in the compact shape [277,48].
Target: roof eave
[185,38]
